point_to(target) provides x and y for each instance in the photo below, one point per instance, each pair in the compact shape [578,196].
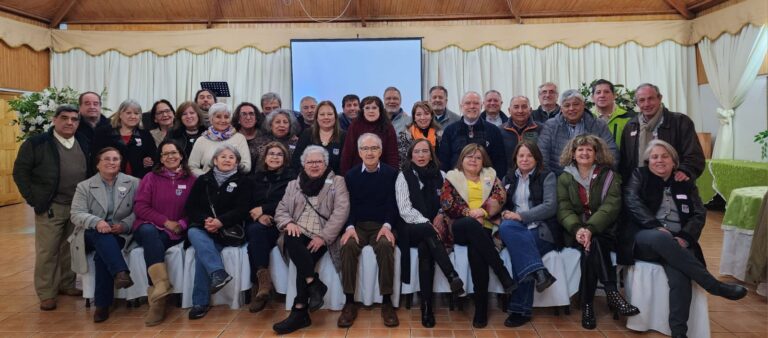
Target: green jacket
[619,119]
[604,211]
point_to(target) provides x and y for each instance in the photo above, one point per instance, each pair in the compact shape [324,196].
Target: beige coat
[333,203]
[89,206]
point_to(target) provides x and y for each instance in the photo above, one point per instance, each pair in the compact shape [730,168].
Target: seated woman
[666,219]
[220,132]
[163,117]
[217,206]
[189,126]
[161,221]
[310,216]
[589,202]
[418,198]
[136,145]
[269,181]
[472,198]
[424,126]
[247,120]
[325,132]
[529,228]
[102,213]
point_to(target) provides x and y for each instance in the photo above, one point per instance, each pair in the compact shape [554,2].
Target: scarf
[312,186]
[646,133]
[425,199]
[418,133]
[215,135]
[222,176]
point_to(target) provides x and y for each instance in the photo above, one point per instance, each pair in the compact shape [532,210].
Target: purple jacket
[162,197]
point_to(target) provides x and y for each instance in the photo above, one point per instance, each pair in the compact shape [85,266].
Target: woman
[272,176]
[589,202]
[161,221]
[325,132]
[279,126]
[125,134]
[310,216]
[418,198]
[666,219]
[374,121]
[217,206]
[424,126]
[220,132]
[529,228]
[189,126]
[247,120]
[163,116]
[102,213]
[472,198]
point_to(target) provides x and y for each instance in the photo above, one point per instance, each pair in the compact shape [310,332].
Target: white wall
[751,118]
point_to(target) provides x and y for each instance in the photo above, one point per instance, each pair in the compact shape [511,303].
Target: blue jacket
[555,136]
[456,137]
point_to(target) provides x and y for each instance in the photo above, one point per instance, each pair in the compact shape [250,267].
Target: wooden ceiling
[54,12]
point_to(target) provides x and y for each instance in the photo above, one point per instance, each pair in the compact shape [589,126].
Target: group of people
[316,182]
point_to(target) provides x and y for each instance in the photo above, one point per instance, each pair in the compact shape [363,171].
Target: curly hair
[603,156]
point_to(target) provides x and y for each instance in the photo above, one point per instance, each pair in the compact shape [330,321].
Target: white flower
[32,128]
[30,120]
[39,120]
[46,92]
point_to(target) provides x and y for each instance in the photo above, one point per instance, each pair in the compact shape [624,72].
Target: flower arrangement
[34,111]
[762,139]
[625,98]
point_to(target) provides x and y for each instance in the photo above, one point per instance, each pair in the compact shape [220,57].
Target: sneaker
[198,311]
[219,279]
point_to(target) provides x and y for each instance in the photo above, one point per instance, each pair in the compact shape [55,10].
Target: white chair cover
[735,253]
[235,263]
[174,261]
[647,288]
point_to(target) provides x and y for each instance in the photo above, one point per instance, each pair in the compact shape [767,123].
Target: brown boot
[156,312]
[162,287]
[259,301]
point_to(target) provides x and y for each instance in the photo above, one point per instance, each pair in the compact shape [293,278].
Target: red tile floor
[20,315]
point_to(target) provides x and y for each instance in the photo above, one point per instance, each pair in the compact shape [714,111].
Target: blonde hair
[114,120]
[603,156]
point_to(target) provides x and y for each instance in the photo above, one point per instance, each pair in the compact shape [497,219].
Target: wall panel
[23,68]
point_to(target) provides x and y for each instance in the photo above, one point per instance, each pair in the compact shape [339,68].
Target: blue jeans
[207,261]
[155,242]
[261,239]
[108,259]
[525,250]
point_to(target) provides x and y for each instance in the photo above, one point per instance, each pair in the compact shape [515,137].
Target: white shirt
[66,142]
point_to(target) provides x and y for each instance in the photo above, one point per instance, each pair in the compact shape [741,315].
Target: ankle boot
[317,290]
[543,279]
[162,287]
[588,320]
[297,319]
[457,285]
[618,305]
[731,291]
[480,319]
[427,314]
[260,292]
[156,312]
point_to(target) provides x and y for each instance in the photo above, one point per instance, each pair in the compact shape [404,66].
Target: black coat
[231,201]
[456,137]
[334,150]
[140,145]
[269,188]
[185,140]
[643,196]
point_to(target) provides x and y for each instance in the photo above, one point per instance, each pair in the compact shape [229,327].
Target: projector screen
[330,69]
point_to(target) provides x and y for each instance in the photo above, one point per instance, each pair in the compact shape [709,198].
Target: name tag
[681,197]
[138,141]
[633,133]
[182,186]
[328,181]
[231,187]
[336,151]
[684,209]
[292,147]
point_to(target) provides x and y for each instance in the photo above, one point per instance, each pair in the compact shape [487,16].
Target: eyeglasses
[421,151]
[314,163]
[247,114]
[373,148]
[474,158]
[169,153]
[164,112]
[275,154]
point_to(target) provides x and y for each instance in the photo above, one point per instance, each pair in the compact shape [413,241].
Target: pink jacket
[162,197]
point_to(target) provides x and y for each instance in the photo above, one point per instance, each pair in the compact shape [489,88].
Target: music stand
[220,88]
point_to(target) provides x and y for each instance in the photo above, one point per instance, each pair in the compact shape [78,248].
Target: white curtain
[147,77]
[731,63]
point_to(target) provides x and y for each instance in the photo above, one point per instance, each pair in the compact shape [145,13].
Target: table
[741,218]
[723,176]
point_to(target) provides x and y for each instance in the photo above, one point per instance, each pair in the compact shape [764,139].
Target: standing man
[492,113]
[350,109]
[308,105]
[548,107]
[519,127]
[392,102]
[270,102]
[90,117]
[606,109]
[205,98]
[656,122]
[438,99]
[471,129]
[47,170]
[373,213]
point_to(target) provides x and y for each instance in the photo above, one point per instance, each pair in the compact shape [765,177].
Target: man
[47,170]
[656,122]
[373,213]
[471,129]
[350,109]
[520,126]
[308,105]
[90,117]
[548,107]
[606,109]
[392,102]
[492,113]
[438,100]
[205,98]
[269,102]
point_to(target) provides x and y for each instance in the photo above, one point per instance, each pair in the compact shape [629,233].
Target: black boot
[543,279]
[481,310]
[297,319]
[427,314]
[316,290]
[619,305]
[457,285]
[440,256]
[588,320]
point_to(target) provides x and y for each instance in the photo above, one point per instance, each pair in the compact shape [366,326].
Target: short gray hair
[271,96]
[471,92]
[492,91]
[366,136]
[571,94]
[538,90]
[668,147]
[520,97]
[314,149]
[651,85]
[226,146]
[218,108]
[308,98]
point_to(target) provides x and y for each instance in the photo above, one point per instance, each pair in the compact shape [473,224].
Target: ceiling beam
[61,13]
[361,12]
[214,12]
[9,9]
[680,7]
[514,11]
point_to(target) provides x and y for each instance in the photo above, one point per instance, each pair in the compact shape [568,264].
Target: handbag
[233,235]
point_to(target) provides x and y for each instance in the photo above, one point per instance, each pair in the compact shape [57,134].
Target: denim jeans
[108,259]
[525,250]
[207,260]
[261,239]
[155,242]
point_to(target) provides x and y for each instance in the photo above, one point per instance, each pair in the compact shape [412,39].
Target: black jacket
[185,140]
[268,189]
[456,137]
[334,150]
[229,202]
[86,132]
[140,145]
[536,188]
[643,196]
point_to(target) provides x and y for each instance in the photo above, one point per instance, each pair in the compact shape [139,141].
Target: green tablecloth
[743,208]
[727,175]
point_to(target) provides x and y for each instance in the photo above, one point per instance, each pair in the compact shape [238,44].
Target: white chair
[174,260]
[235,263]
[647,288]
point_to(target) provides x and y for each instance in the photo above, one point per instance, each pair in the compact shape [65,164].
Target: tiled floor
[20,316]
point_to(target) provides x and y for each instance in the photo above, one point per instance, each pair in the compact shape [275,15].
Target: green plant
[762,139]
[35,110]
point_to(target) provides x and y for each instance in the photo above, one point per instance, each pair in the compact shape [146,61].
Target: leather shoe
[48,304]
[100,314]
[543,279]
[73,292]
[348,315]
[389,315]
[123,280]
[731,291]
[516,320]
[316,290]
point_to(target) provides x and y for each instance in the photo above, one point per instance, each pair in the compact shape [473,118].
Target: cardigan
[203,150]
[162,197]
